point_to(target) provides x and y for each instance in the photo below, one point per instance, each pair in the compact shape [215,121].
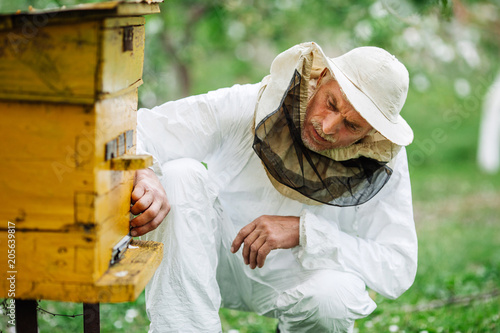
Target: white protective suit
[318,286]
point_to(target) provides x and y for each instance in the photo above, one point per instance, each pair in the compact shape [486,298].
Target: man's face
[331,121]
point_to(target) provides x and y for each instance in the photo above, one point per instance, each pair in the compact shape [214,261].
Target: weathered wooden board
[38,201]
[106,180]
[132,273]
[88,11]
[120,69]
[61,133]
[108,234]
[53,63]
[114,116]
[132,162]
[53,256]
[115,202]
[39,196]
[74,256]
[123,282]
[78,63]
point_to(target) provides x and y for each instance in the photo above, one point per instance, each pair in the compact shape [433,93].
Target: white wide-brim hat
[376,84]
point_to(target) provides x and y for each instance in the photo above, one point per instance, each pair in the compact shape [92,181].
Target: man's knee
[191,196]
[329,301]
[340,295]
[184,179]
[184,169]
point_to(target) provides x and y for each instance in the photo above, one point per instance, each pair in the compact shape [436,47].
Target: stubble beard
[310,143]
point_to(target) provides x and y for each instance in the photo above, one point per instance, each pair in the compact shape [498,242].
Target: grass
[458,262]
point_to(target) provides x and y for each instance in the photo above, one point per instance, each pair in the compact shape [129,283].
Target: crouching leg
[329,301]
[183,295]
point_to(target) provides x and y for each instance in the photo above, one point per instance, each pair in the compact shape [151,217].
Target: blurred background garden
[451,49]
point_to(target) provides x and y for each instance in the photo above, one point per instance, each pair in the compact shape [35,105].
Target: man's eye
[331,106]
[353,127]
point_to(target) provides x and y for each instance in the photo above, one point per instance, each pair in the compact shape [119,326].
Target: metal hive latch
[119,249]
[128,39]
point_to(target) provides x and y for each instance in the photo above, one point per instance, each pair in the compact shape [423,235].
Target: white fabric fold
[319,243]
[381,247]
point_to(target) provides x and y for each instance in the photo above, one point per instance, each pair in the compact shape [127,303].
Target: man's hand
[264,234]
[149,198]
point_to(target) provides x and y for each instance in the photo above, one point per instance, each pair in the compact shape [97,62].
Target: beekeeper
[302,201]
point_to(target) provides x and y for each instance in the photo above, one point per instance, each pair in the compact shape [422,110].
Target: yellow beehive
[68,102]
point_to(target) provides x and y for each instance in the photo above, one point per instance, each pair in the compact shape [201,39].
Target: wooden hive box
[68,102]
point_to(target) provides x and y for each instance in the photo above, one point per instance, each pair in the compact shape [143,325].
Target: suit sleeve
[194,127]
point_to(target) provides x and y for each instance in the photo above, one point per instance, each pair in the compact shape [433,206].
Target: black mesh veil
[279,145]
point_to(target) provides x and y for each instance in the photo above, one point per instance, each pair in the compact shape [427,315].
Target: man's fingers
[142,204]
[150,219]
[265,234]
[139,231]
[148,215]
[264,250]
[254,250]
[149,199]
[137,193]
[241,236]
[248,241]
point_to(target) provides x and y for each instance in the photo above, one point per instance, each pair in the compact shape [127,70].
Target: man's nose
[331,123]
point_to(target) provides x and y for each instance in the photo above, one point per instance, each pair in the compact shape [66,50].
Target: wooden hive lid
[82,12]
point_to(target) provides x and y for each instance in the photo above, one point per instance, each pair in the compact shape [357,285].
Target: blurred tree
[194,46]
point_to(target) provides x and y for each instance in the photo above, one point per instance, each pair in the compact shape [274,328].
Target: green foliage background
[451,49]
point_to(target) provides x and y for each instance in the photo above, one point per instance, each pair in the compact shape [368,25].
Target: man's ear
[322,75]
[367,135]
